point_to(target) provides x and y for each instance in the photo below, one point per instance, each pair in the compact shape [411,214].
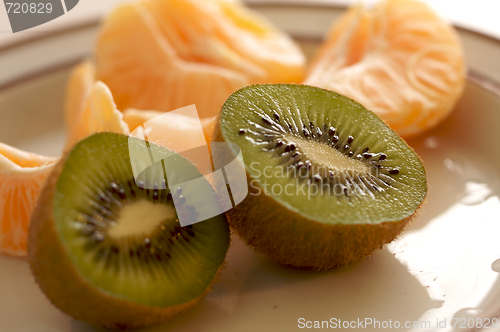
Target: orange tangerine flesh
[134,118]
[22,176]
[78,90]
[164,55]
[98,115]
[226,34]
[399,60]
[177,132]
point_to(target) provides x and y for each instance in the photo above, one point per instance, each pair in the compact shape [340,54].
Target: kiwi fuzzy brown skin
[87,303]
[322,246]
[264,224]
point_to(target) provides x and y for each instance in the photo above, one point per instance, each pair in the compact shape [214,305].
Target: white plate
[446,266]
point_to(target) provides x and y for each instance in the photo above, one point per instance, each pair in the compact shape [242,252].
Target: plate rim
[318,4]
[473,76]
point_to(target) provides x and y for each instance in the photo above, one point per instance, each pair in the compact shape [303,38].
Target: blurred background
[481,15]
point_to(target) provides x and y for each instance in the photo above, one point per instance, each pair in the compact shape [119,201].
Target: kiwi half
[329,182]
[107,251]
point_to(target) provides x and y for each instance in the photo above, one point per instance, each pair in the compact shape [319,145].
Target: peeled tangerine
[399,60]
[166,54]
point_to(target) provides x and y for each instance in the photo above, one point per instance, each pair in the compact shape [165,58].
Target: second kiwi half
[328,181]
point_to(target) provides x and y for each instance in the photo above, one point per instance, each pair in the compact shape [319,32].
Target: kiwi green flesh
[166,266]
[271,123]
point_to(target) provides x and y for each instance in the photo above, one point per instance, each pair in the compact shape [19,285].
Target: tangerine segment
[226,34]
[190,53]
[156,78]
[22,176]
[98,115]
[134,118]
[78,90]
[399,60]
[180,133]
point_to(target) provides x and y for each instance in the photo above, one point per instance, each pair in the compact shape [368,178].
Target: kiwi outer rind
[86,303]
[292,239]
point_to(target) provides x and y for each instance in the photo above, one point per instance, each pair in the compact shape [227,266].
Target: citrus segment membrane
[22,175]
[98,115]
[134,118]
[398,59]
[155,78]
[226,34]
[78,89]
[191,52]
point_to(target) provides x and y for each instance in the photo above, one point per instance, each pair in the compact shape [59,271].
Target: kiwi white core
[140,218]
[322,155]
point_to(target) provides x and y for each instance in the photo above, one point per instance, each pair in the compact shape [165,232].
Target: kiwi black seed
[331,182]
[109,250]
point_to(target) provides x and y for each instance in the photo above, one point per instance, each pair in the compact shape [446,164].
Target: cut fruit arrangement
[344,182]
[163,76]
